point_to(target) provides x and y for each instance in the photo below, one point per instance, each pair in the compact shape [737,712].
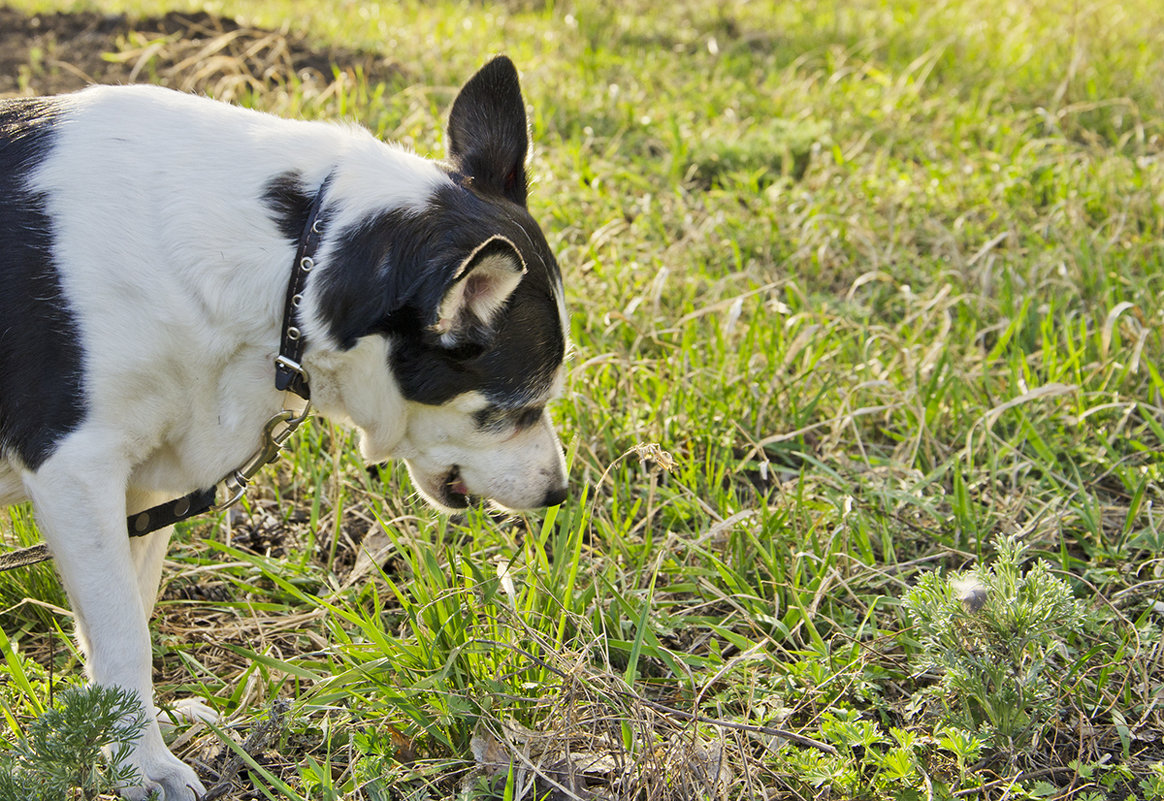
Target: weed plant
[998,637]
[75,750]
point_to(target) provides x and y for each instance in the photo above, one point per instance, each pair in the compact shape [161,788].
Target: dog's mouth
[454,493]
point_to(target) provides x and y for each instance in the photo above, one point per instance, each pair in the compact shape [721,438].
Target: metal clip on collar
[276,432]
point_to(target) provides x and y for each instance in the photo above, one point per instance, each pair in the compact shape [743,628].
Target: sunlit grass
[856,288]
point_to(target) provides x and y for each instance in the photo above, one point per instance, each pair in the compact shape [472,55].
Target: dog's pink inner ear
[482,285]
[479,289]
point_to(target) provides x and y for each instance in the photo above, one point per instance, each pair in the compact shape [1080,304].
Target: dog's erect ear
[488,139]
[479,289]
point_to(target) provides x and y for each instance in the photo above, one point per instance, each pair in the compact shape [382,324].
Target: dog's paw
[186,710]
[163,776]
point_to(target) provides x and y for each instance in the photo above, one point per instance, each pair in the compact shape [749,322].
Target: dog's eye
[466,351]
[528,417]
[499,420]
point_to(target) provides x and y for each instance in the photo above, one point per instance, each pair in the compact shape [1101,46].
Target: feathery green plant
[992,633]
[81,745]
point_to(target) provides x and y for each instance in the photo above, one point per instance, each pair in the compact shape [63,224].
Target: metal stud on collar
[292,344]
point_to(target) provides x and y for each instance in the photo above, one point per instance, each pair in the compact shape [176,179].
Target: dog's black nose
[555,496]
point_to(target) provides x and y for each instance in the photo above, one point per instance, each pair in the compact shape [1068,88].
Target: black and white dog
[147,240]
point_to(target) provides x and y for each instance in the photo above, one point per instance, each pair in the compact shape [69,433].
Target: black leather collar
[289,372]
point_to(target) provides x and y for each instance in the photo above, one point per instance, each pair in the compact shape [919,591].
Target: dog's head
[460,295]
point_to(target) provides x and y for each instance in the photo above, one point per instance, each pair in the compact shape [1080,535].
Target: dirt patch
[60,52]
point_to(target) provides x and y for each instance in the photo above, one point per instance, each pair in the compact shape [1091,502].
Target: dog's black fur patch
[287,198]
[382,251]
[413,258]
[40,348]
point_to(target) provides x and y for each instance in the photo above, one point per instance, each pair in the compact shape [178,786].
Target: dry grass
[50,53]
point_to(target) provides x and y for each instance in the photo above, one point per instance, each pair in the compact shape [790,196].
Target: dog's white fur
[197,272]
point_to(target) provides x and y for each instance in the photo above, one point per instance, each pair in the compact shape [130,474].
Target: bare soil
[61,52]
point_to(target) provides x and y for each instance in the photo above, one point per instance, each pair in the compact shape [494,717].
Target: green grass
[856,288]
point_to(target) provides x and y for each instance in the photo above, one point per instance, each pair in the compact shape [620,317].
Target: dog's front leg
[149,552]
[81,513]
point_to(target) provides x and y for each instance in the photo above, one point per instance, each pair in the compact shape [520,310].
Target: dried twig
[255,743]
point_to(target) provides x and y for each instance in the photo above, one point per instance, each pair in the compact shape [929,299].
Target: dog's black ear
[488,138]
[479,289]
